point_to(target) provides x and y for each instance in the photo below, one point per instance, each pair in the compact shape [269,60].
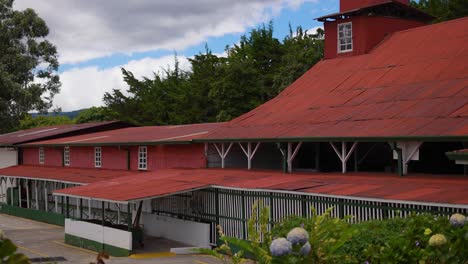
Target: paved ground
[38,240]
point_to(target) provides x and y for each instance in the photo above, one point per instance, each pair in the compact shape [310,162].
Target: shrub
[423,239]
[8,252]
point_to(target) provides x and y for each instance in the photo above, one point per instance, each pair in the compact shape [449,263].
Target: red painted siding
[113,158]
[159,157]
[31,156]
[347,5]
[82,157]
[52,156]
[367,33]
[171,156]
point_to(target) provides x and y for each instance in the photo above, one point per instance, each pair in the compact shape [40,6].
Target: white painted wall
[8,157]
[188,232]
[98,233]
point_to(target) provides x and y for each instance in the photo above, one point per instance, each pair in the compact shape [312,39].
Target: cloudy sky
[95,38]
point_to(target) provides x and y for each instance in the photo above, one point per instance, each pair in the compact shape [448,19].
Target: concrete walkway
[39,240]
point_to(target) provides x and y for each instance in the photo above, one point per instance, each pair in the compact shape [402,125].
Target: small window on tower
[142,158]
[66,156]
[97,157]
[345,37]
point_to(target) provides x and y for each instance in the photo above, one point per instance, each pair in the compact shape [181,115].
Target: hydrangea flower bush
[422,239]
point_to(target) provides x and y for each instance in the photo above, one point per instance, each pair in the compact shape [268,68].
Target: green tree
[207,70]
[263,53]
[443,10]
[301,51]
[94,114]
[28,65]
[163,100]
[41,121]
[237,91]
[218,88]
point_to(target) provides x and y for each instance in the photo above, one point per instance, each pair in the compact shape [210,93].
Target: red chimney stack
[362,24]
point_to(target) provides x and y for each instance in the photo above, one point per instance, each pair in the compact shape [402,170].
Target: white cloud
[84,30]
[314,29]
[85,87]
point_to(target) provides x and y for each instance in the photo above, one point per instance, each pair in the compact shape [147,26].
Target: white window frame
[97,157]
[142,158]
[41,155]
[66,156]
[350,38]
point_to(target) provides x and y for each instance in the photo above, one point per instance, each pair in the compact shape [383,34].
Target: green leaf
[7,248]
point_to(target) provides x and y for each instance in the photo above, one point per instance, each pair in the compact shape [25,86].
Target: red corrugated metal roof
[70,175]
[420,188]
[413,84]
[39,133]
[135,135]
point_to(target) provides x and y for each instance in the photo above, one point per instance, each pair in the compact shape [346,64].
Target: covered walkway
[423,188]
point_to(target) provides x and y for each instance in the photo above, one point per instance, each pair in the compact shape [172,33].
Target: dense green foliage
[218,88]
[8,254]
[424,239]
[41,121]
[28,65]
[443,10]
[93,114]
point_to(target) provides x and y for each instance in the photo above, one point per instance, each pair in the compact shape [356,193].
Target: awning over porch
[63,174]
[441,189]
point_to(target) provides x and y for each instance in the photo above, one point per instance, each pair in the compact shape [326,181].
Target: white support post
[344,155]
[7,182]
[46,200]
[223,152]
[409,152]
[56,198]
[89,209]
[11,188]
[19,191]
[36,194]
[118,213]
[292,154]
[5,189]
[78,206]
[1,189]
[249,152]
[28,205]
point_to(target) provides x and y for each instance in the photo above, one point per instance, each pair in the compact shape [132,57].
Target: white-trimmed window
[41,155]
[97,157]
[345,37]
[142,158]
[66,156]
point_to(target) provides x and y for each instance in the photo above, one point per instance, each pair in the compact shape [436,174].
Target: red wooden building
[133,148]
[388,100]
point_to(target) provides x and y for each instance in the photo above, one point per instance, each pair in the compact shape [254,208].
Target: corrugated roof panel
[439,126]
[40,133]
[397,89]
[461,112]
[149,135]
[423,188]
[60,174]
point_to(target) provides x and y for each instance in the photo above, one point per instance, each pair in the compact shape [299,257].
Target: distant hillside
[71,114]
